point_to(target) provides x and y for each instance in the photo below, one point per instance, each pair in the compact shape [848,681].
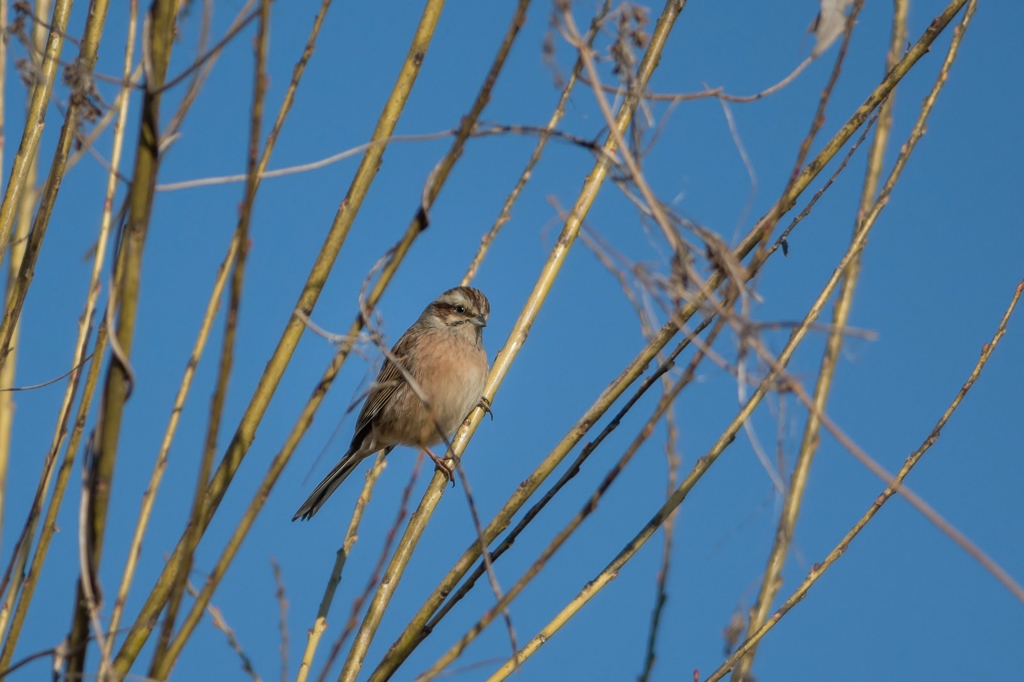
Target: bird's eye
[460,309]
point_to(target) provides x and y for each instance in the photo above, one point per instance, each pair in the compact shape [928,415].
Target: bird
[443,351]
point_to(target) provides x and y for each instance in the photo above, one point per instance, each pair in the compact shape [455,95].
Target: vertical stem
[128,272]
[17,246]
[34,121]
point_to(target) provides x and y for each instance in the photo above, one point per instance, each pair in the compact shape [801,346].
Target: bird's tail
[338,474]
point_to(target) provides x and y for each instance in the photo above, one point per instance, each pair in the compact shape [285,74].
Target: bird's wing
[388,381]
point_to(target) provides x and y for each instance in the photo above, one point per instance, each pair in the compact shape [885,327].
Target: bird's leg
[485,405]
[448,471]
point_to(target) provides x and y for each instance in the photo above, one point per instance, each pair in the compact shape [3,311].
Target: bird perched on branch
[443,353]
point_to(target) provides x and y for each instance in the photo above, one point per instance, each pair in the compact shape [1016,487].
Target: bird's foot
[445,468]
[485,405]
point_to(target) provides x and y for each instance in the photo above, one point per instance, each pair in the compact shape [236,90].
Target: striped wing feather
[388,381]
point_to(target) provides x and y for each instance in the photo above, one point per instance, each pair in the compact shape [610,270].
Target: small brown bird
[444,352]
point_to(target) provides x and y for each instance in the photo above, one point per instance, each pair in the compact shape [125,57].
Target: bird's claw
[443,466]
[485,405]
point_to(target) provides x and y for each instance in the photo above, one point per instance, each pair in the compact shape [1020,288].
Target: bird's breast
[452,373]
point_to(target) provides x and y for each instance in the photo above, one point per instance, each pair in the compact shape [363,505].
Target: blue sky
[938,272]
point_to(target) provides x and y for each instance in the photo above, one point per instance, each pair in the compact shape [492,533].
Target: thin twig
[668,530]
[51,381]
[718,92]
[781,242]
[236,27]
[282,606]
[492,577]
[89,582]
[488,130]
[222,625]
[816,123]
[305,167]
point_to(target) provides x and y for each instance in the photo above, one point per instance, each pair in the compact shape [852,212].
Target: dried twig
[218,622]
[282,605]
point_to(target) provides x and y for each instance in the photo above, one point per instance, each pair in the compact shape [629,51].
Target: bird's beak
[479,321]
